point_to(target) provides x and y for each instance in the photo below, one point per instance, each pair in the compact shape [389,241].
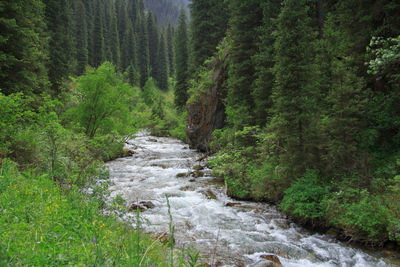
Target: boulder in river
[135,207]
[209,194]
[232,204]
[272,258]
[147,204]
[182,175]
[128,152]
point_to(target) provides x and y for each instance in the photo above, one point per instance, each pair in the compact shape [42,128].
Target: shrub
[304,198]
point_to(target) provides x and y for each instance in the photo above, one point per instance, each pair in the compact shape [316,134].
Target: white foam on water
[246,231]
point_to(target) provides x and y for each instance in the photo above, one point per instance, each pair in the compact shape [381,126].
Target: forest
[296,102]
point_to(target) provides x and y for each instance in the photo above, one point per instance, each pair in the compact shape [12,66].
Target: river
[236,235]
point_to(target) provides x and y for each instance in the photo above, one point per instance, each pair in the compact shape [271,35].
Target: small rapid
[233,233]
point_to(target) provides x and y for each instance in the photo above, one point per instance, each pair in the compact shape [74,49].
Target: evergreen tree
[114,41]
[98,37]
[122,21]
[133,11]
[90,11]
[209,21]
[81,38]
[128,48]
[170,48]
[182,57]
[22,47]
[246,18]
[163,64]
[295,94]
[58,18]
[264,62]
[152,30]
[143,51]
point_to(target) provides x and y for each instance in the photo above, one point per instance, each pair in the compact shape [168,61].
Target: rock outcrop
[206,111]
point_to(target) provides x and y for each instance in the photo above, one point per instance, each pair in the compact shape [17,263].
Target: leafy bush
[304,198]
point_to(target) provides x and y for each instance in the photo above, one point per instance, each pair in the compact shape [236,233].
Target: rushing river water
[235,236]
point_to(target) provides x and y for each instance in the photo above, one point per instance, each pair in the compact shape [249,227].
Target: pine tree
[264,62]
[182,57]
[128,48]
[133,11]
[209,21]
[143,51]
[22,47]
[295,94]
[81,38]
[246,18]
[170,48]
[152,30]
[98,37]
[90,12]
[163,64]
[114,41]
[58,19]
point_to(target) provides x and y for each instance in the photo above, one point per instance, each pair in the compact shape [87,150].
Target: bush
[304,198]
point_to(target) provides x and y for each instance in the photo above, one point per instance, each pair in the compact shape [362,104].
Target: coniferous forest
[297,101]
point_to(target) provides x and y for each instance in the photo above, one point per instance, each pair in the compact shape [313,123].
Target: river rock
[198,167]
[128,152]
[159,165]
[182,175]
[272,258]
[209,194]
[232,204]
[135,207]
[152,140]
[147,204]
[207,112]
[197,174]
[187,188]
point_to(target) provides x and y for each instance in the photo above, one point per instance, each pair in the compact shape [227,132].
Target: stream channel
[232,236]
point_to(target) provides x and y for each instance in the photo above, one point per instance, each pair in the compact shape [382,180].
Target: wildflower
[94,240]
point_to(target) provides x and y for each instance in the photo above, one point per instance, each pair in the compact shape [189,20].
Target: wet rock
[282,224]
[198,167]
[192,180]
[128,152]
[135,207]
[272,258]
[332,232]
[263,264]
[147,204]
[158,165]
[209,194]
[232,204]
[207,112]
[152,140]
[182,175]
[187,188]
[197,174]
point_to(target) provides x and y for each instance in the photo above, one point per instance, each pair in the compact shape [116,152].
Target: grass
[42,225]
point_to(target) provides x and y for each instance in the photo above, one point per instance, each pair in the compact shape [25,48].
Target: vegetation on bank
[312,120]
[52,149]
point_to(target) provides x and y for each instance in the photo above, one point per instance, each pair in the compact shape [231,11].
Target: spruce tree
[152,30]
[163,64]
[208,21]
[81,38]
[98,36]
[246,18]
[128,48]
[295,94]
[170,50]
[58,19]
[143,51]
[114,41]
[264,62]
[182,57]
[22,47]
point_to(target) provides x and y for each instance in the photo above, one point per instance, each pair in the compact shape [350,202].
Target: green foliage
[102,102]
[22,47]
[304,198]
[44,226]
[182,57]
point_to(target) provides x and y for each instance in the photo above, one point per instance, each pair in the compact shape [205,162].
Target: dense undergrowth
[367,214]
[52,148]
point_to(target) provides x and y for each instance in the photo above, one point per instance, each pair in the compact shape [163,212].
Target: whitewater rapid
[233,236]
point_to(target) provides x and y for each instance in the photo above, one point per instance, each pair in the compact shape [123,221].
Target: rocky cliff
[206,111]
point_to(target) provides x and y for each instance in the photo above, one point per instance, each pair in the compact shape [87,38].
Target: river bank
[233,233]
